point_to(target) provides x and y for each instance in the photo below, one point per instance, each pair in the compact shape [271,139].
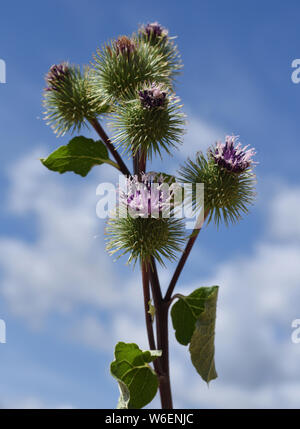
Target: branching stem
[161,313]
[100,131]
[183,259]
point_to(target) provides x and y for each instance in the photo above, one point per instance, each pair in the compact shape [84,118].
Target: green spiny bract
[68,99]
[227,194]
[148,124]
[144,238]
[123,66]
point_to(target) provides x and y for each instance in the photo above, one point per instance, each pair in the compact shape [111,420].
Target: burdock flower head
[146,228]
[154,30]
[148,197]
[56,76]
[151,122]
[124,46]
[233,156]
[68,98]
[229,182]
[153,96]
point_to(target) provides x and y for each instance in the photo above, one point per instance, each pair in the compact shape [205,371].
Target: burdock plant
[131,81]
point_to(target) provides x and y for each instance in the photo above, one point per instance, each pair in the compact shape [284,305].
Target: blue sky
[63,299]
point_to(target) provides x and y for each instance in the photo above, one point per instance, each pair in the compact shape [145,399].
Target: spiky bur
[229,181]
[139,227]
[142,238]
[156,35]
[152,122]
[124,65]
[68,99]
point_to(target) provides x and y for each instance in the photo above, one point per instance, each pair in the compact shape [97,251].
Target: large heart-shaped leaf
[79,156]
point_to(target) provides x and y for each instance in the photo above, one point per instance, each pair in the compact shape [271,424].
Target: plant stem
[135,163]
[139,163]
[161,315]
[163,344]
[123,168]
[146,291]
[149,271]
[183,259]
[143,159]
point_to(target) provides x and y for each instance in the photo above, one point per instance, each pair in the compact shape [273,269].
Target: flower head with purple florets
[153,96]
[154,30]
[124,46]
[143,224]
[56,76]
[232,156]
[145,197]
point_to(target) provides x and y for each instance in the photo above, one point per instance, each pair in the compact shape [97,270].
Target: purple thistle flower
[152,97]
[154,30]
[233,156]
[56,76]
[147,197]
[124,45]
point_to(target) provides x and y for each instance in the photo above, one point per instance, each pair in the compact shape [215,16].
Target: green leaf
[186,311]
[138,383]
[142,383]
[193,319]
[79,156]
[202,346]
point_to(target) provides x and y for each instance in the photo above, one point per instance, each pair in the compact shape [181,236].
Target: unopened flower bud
[154,30]
[124,46]
[56,76]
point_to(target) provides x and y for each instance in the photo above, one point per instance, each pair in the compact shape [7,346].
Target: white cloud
[284,216]
[30,402]
[200,135]
[121,326]
[91,332]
